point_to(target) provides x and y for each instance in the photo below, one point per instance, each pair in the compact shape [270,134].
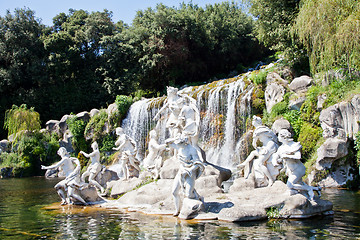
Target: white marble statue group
[270,158]
[183,123]
[69,188]
[272,155]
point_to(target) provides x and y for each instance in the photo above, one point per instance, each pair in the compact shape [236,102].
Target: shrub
[96,125]
[294,118]
[258,77]
[123,103]
[107,143]
[32,150]
[77,128]
[308,137]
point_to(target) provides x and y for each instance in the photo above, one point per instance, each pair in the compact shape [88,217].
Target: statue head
[256,121]
[119,130]
[94,145]
[153,134]
[62,152]
[171,90]
[284,135]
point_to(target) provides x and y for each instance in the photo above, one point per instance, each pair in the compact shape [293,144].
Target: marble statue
[191,168]
[67,167]
[189,121]
[73,183]
[153,160]
[128,150]
[263,163]
[95,167]
[174,103]
[289,153]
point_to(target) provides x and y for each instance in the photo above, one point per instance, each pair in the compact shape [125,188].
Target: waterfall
[223,105]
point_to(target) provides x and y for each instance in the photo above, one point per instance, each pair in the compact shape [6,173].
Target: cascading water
[220,104]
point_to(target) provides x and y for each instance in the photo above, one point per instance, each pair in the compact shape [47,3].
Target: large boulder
[275,90]
[4,145]
[274,93]
[52,126]
[112,108]
[332,149]
[62,124]
[94,112]
[280,124]
[301,84]
[89,194]
[85,116]
[106,176]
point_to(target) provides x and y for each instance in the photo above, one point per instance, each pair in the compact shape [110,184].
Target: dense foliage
[330,30]
[85,60]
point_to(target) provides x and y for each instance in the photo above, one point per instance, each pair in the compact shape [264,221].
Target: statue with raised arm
[289,153]
[67,167]
[128,150]
[153,160]
[73,183]
[95,167]
[191,168]
[261,158]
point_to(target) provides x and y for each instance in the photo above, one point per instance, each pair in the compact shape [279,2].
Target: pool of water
[29,209]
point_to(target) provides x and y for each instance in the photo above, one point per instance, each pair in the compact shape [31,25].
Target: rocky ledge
[247,204]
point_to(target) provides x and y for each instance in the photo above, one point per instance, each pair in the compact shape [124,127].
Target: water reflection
[27,211]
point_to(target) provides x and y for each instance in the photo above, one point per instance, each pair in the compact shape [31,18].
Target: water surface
[29,209]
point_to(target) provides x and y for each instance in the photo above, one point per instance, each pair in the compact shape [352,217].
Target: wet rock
[190,208]
[51,173]
[112,108]
[106,176]
[89,194]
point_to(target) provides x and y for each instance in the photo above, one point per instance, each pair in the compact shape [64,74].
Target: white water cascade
[224,106]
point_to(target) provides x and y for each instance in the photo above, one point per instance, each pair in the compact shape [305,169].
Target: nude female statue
[128,149]
[289,153]
[95,167]
[67,166]
[154,160]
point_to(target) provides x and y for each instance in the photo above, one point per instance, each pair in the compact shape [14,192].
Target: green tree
[21,118]
[22,57]
[330,30]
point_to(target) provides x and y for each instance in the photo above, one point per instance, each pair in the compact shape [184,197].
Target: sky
[124,10]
